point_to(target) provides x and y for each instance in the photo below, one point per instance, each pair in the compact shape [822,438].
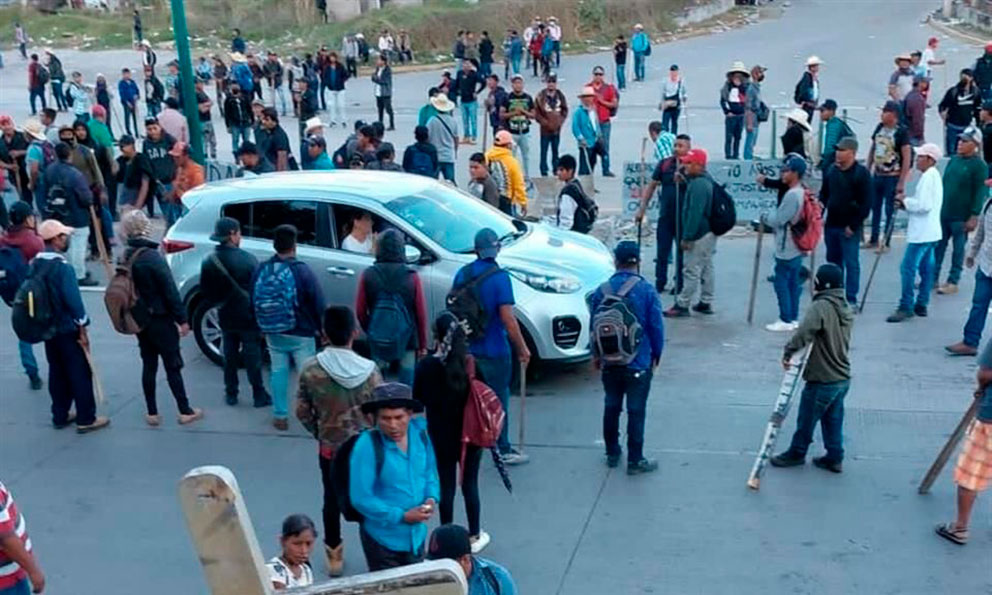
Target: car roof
[379,186]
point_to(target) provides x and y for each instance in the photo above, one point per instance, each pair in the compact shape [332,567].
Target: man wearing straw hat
[807,93]
[733,101]
[443,134]
[901,81]
[794,138]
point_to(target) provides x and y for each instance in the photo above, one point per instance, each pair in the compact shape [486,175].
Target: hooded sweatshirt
[516,189]
[827,325]
[390,271]
[333,386]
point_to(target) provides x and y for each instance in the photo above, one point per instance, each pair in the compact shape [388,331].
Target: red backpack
[484,416]
[808,230]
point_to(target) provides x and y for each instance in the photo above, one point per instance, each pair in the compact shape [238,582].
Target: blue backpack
[274,296]
[13,271]
[242,74]
[421,163]
[390,326]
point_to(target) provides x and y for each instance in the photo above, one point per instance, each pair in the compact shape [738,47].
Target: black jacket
[237,111]
[961,104]
[485,51]
[236,313]
[157,292]
[983,71]
[793,141]
[335,83]
[847,196]
[77,192]
[804,90]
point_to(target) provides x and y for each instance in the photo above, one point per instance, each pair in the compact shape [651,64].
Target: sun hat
[587,91]
[800,117]
[33,128]
[392,395]
[813,61]
[441,103]
[312,124]
[738,66]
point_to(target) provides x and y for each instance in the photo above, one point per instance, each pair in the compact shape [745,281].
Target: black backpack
[616,332]
[723,213]
[390,326]
[586,210]
[57,206]
[341,470]
[13,271]
[465,302]
[33,311]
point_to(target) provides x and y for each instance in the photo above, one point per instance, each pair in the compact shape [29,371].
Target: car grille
[566,331]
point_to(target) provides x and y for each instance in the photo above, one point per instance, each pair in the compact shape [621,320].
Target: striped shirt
[11,521]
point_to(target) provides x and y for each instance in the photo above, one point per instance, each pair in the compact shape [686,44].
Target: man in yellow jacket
[509,177]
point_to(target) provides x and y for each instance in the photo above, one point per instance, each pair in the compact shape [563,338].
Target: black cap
[829,104]
[19,212]
[627,252]
[449,542]
[248,148]
[392,395]
[224,228]
[828,276]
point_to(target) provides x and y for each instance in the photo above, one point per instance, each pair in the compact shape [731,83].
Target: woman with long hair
[441,383]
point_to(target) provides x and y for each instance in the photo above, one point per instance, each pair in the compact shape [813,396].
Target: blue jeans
[446,171]
[496,372]
[635,384]
[979,309]
[670,119]
[788,287]
[953,232]
[239,135]
[918,258]
[638,66]
[515,64]
[38,93]
[170,210]
[23,587]
[750,138]
[59,95]
[951,133]
[844,252]
[485,68]
[622,76]
[604,130]
[286,351]
[733,126]
[470,118]
[883,193]
[30,364]
[824,403]
[549,141]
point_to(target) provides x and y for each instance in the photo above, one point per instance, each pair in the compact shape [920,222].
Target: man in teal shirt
[317,151]
[964,196]
[834,129]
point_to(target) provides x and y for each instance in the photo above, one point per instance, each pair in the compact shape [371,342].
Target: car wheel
[206,329]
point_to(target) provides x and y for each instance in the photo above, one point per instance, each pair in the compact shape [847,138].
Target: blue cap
[627,252]
[795,164]
[486,243]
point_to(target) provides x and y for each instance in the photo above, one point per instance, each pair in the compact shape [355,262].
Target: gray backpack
[616,332]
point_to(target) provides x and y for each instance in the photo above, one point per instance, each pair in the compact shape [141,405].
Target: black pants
[70,379]
[160,338]
[352,66]
[332,512]
[447,471]
[244,346]
[381,558]
[385,104]
[665,238]
[587,158]
[549,141]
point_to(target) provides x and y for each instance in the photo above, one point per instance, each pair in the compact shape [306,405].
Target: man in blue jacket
[640,45]
[628,375]
[69,201]
[398,496]
[585,129]
[129,94]
[485,577]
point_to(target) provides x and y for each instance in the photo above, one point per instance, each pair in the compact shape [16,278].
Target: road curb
[952,32]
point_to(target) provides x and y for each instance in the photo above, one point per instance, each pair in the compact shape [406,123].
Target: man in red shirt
[37,77]
[22,235]
[607,100]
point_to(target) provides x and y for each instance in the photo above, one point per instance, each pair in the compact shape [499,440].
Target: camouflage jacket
[329,411]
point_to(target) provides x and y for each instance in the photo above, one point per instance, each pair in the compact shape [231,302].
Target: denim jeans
[844,252]
[750,138]
[670,119]
[979,309]
[30,364]
[239,136]
[733,126]
[522,152]
[515,65]
[824,403]
[621,76]
[38,93]
[246,347]
[604,131]
[638,66]
[336,108]
[953,232]
[446,171]
[549,141]
[788,287]
[496,373]
[635,384]
[883,193]
[470,118]
[131,119]
[280,94]
[400,370]
[918,258]
[951,133]
[485,69]
[286,351]
[59,96]
[78,244]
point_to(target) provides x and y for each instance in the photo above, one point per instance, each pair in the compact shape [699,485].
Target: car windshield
[451,218]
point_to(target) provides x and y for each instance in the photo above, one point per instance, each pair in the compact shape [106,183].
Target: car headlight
[547,283]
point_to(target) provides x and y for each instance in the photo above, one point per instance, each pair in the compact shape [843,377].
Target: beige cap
[51,229]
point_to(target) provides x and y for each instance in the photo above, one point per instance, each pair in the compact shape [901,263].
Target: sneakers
[98,424]
[703,308]
[613,461]
[515,457]
[188,419]
[899,316]
[35,382]
[787,459]
[961,348]
[676,311]
[780,326]
[829,465]
[281,424]
[479,542]
[948,289]
[920,310]
[642,466]
[334,556]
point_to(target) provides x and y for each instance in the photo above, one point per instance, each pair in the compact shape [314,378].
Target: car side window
[259,219]
[344,217]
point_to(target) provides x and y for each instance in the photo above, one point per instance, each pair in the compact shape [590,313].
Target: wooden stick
[812,271]
[523,406]
[100,246]
[890,225]
[485,130]
[97,385]
[755,273]
[952,443]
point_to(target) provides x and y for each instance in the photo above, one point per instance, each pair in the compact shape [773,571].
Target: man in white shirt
[386,44]
[360,240]
[554,29]
[929,58]
[923,234]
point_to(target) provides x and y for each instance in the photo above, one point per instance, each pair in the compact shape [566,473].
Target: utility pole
[190,108]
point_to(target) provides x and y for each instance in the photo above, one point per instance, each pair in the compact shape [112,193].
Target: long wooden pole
[755,273]
[101,247]
[952,443]
[523,406]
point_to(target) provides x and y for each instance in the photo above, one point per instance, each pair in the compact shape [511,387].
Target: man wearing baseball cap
[698,242]
[964,197]
[511,176]
[788,256]
[626,365]
[485,577]
[22,236]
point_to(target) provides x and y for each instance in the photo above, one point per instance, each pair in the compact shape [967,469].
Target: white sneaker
[479,542]
[779,326]
[794,324]
[515,457]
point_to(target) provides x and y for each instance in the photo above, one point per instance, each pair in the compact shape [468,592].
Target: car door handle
[342,271]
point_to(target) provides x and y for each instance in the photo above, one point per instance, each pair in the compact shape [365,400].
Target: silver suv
[552,270]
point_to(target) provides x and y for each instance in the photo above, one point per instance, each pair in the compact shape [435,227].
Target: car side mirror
[413,254]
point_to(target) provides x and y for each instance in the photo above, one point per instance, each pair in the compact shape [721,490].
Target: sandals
[951,532]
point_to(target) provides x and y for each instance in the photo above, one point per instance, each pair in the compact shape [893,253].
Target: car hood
[551,251]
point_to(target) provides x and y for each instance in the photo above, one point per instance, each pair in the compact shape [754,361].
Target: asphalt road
[104,517]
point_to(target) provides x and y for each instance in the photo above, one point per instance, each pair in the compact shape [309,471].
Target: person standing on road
[162,315]
[551,112]
[958,109]
[273,142]
[796,129]
[554,31]
[889,160]
[846,194]
[127,91]
[964,196]
[673,98]
[37,79]
[915,106]
[333,387]
[929,58]
[980,254]
[189,175]
[65,183]
[574,211]
[22,236]
[516,112]
[154,94]
[922,235]
[382,80]
[673,186]
[486,50]
[631,377]
[640,45]
[585,129]
[755,111]
[238,116]
[834,129]
[901,81]
[225,279]
[788,256]
[81,96]
[156,147]
[509,175]
[698,243]
[56,74]
[203,107]
[288,304]
[469,83]
[733,102]
[421,157]
[493,101]
[481,183]
[827,326]
[607,100]
[137,179]
[335,75]
[491,349]
[275,76]
[983,72]
[398,497]
[21,39]
[620,61]
[484,577]
[20,572]
[807,92]
[443,135]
